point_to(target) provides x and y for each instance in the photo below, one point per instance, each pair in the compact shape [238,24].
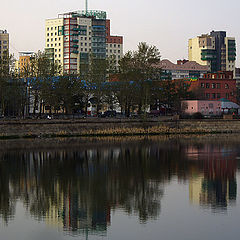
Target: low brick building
[214,86]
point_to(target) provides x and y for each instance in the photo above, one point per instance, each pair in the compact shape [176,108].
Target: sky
[166,24]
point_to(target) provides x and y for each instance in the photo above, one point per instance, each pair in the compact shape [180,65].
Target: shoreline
[29,129]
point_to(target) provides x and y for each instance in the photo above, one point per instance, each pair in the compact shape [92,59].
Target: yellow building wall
[195,189]
[194,51]
[53,40]
[24,64]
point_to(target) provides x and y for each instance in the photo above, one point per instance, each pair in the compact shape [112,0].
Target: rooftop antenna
[86,6]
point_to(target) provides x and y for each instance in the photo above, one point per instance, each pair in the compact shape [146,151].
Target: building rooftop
[23,54]
[82,13]
[3,31]
[182,65]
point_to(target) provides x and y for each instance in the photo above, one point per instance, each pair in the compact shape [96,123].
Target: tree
[125,89]
[41,85]
[145,60]
[139,73]
[11,88]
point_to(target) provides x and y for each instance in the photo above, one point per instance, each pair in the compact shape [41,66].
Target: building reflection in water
[213,182]
[77,189]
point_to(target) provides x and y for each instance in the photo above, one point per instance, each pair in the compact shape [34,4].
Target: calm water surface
[147,188]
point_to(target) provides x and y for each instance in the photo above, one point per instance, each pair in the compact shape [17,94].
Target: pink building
[203,106]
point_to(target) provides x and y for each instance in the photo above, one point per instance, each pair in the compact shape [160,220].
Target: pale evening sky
[165,24]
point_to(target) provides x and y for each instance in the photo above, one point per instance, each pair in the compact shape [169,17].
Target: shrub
[197,115]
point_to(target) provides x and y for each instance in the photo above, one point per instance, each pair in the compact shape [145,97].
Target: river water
[120,188]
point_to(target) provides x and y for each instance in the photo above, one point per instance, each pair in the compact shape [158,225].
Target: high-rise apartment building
[4,43]
[72,38]
[114,45]
[215,50]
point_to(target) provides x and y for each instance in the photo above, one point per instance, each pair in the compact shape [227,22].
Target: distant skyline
[166,24]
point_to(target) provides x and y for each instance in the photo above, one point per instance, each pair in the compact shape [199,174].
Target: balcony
[75,51]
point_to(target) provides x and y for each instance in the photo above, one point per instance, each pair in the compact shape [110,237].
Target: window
[213,96]
[51,28]
[207,85]
[218,85]
[202,85]
[48,34]
[48,40]
[227,95]
[226,86]
[85,49]
[51,34]
[59,55]
[218,95]
[47,29]
[59,44]
[207,95]
[55,39]
[213,85]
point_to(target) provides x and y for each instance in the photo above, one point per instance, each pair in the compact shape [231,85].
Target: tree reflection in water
[77,188]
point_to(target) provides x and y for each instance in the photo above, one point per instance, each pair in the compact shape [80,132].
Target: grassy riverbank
[114,127]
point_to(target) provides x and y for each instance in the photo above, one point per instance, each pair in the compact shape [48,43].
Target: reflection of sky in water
[178,220]
[137,191]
